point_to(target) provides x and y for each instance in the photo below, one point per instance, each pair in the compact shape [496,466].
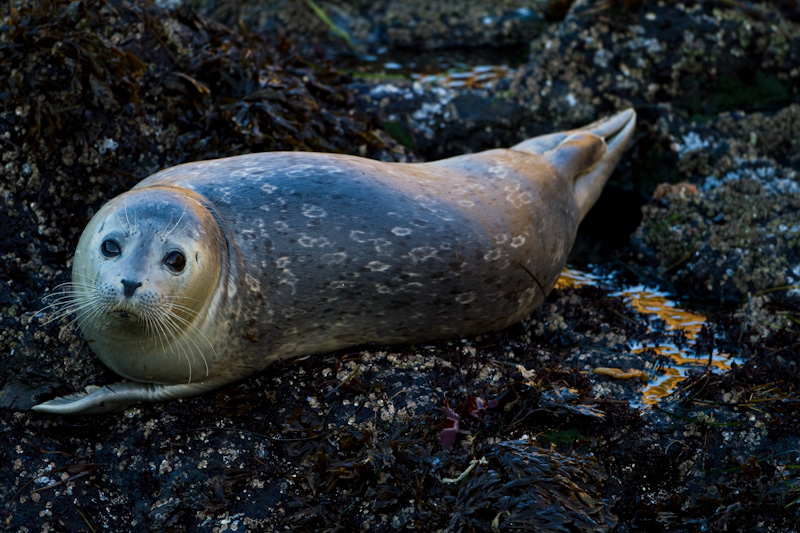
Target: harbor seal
[207,272]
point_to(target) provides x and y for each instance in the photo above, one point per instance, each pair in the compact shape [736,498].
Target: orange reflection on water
[657,306]
[662,386]
[575,278]
[649,302]
[474,77]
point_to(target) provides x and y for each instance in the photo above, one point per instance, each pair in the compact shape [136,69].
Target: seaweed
[82,76]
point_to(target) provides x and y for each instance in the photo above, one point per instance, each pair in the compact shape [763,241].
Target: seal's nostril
[130,287]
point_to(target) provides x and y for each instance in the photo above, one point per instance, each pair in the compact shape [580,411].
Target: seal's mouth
[125,314]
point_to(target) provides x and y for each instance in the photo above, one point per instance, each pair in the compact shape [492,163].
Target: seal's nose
[130,287]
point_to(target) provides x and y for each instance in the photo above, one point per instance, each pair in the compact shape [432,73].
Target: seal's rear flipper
[116,397]
[577,154]
[606,128]
[617,132]
[588,154]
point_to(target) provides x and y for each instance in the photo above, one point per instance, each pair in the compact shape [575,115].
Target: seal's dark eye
[110,248]
[175,261]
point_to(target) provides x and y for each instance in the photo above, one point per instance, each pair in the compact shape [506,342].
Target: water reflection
[473,78]
[661,313]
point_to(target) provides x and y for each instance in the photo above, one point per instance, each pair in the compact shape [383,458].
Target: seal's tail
[587,155]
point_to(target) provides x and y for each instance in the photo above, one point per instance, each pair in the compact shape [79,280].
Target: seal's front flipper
[110,398]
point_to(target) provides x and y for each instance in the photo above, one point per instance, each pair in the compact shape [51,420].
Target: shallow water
[661,312]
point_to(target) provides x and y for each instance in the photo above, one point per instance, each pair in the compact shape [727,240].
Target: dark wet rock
[672,61]
[390,28]
[738,231]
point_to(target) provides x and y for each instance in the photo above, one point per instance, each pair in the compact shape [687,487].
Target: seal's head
[140,284]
